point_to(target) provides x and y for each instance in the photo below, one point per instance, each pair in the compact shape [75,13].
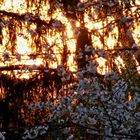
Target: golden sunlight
[14,6]
[22,46]
[57,38]
[137,64]
[129,96]
[137,2]
[112,39]
[102,66]
[120,63]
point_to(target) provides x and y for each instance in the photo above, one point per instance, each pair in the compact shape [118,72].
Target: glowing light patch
[137,2]
[102,67]
[55,37]
[14,6]
[120,63]
[22,46]
[71,63]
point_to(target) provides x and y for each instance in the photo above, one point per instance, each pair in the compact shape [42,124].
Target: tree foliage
[56,101]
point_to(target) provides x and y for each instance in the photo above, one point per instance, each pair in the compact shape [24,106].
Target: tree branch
[22,17]
[21,67]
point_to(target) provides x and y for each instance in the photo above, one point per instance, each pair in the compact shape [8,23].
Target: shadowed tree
[83,41]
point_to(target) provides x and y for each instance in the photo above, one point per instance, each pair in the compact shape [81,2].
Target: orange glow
[70,42]
[57,39]
[112,39]
[120,63]
[22,46]
[69,31]
[129,96]
[14,6]
[90,24]
[83,0]
[136,32]
[77,24]
[137,64]
[102,67]
[137,2]
[97,42]
[24,75]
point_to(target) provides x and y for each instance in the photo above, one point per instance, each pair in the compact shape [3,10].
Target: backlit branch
[31,18]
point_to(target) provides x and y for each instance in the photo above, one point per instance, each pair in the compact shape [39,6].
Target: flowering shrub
[98,108]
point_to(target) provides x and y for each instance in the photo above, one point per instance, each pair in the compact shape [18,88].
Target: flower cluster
[35,132]
[95,106]
[2,136]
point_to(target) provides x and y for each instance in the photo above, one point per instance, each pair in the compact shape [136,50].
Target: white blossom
[70,137]
[27,18]
[2,136]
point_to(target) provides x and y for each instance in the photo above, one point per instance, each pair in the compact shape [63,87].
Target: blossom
[2,136]
[27,18]
[91,67]
[34,132]
[6,56]
[18,57]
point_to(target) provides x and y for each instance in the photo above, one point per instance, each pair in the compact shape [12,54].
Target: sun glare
[57,38]
[22,46]
[14,6]
[120,63]
[102,67]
